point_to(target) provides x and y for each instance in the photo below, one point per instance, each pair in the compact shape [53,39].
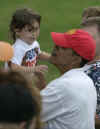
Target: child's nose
[34,35]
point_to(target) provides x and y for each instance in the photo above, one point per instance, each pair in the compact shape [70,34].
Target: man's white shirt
[69,102]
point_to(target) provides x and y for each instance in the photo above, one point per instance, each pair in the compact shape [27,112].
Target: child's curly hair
[21,18]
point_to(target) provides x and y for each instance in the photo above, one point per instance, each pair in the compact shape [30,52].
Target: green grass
[57,15]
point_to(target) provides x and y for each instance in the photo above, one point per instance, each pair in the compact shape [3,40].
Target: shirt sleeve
[38,46]
[52,97]
[18,55]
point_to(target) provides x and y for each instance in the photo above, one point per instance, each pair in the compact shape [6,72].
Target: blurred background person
[20,103]
[91,24]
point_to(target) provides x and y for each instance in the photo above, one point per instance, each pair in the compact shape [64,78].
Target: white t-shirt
[25,54]
[69,102]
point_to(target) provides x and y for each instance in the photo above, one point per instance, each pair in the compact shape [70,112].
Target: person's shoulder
[55,87]
[53,83]
[19,45]
[35,43]
[73,72]
[76,76]
[62,84]
[67,76]
[58,82]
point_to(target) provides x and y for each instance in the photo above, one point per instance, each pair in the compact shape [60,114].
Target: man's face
[29,33]
[63,58]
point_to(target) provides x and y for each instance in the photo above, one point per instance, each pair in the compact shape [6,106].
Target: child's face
[29,33]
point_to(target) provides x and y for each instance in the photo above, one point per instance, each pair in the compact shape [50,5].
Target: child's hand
[41,68]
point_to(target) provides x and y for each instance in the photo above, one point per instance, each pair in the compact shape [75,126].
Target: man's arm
[39,80]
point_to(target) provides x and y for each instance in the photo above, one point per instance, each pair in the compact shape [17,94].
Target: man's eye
[57,47]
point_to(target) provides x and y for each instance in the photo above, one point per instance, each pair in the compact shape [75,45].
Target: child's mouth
[33,38]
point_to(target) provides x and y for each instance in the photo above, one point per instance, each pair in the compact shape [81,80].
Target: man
[20,104]
[69,102]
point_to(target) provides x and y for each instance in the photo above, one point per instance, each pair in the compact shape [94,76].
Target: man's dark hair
[18,100]
[21,18]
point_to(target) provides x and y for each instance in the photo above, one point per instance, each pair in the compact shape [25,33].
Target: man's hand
[40,69]
[40,81]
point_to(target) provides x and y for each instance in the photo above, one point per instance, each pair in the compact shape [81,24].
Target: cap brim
[59,39]
[6,51]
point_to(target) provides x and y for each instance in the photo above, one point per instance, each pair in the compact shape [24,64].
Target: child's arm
[44,56]
[38,68]
[38,76]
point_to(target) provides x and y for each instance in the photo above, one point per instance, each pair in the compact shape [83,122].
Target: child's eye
[36,28]
[33,29]
[30,30]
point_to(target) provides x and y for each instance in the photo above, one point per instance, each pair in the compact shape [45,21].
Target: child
[25,29]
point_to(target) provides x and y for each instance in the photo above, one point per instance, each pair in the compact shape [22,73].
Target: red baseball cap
[79,40]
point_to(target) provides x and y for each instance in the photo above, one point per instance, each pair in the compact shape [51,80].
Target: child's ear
[17,31]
